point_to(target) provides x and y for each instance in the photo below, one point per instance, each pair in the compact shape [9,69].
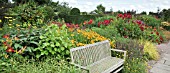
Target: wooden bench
[96,58]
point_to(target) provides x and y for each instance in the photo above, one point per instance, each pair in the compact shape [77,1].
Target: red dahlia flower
[99,23]
[6,36]
[142,28]
[90,22]
[125,36]
[161,39]
[10,49]
[5,43]
[157,33]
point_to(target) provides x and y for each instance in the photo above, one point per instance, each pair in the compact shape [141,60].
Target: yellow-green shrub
[150,50]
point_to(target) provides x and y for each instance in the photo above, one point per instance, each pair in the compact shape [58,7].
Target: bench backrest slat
[86,55]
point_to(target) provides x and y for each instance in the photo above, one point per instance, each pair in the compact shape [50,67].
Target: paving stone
[167,63]
[162,66]
[162,61]
[166,57]
[158,70]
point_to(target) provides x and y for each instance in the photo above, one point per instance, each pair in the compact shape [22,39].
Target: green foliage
[150,20]
[31,15]
[75,11]
[50,13]
[83,13]
[62,9]
[100,9]
[77,19]
[23,41]
[143,13]
[135,65]
[48,65]
[166,14]
[54,41]
[135,60]
[129,29]
[108,32]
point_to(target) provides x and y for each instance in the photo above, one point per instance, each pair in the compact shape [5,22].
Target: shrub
[135,65]
[50,13]
[30,14]
[108,32]
[75,11]
[150,50]
[78,19]
[54,41]
[135,61]
[49,65]
[150,20]
[20,41]
[83,37]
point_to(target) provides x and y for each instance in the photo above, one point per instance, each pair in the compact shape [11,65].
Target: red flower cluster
[9,49]
[141,25]
[57,23]
[69,25]
[90,21]
[124,16]
[105,22]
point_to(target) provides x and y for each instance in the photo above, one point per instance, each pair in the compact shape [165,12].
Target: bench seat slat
[106,65]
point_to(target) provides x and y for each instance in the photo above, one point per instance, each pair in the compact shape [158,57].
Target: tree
[40,2]
[143,13]
[4,1]
[100,9]
[75,11]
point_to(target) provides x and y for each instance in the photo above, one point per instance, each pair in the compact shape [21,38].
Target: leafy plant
[30,14]
[150,50]
[150,20]
[54,41]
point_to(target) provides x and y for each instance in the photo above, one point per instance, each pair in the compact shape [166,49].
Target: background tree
[165,14]
[100,9]
[75,11]
[143,13]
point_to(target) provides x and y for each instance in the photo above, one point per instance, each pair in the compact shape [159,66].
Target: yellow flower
[72,41]
[10,24]
[34,27]
[92,41]
[78,31]
[6,56]
[72,34]
[10,20]
[6,17]
[0,20]
[9,17]
[80,44]
[16,38]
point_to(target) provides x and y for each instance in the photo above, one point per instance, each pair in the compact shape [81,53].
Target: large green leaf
[57,44]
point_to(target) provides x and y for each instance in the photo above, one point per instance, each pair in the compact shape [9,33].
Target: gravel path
[163,64]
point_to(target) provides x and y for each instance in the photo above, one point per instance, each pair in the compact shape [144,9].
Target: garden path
[163,64]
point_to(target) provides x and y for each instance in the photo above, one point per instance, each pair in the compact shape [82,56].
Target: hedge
[77,19]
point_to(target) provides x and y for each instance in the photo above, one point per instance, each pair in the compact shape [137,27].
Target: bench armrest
[82,67]
[117,50]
